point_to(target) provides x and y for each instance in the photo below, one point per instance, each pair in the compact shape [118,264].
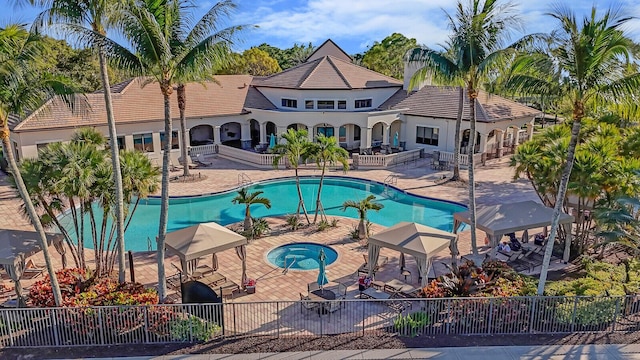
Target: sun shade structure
[196,241]
[498,220]
[420,241]
[15,247]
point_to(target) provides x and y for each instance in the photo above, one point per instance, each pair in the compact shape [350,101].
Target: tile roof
[231,95]
[442,102]
[328,73]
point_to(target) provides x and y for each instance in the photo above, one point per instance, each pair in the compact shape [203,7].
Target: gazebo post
[567,242]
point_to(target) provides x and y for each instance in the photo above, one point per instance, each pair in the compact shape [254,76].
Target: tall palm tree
[170,49]
[475,48]
[590,53]
[248,199]
[76,14]
[362,207]
[24,90]
[295,149]
[326,151]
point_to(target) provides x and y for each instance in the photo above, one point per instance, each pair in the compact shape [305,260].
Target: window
[356,133]
[308,104]
[175,143]
[326,131]
[342,104]
[364,103]
[120,140]
[427,135]
[326,104]
[143,142]
[290,103]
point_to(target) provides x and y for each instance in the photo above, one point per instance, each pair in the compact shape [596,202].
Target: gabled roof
[329,48]
[231,95]
[328,73]
[442,102]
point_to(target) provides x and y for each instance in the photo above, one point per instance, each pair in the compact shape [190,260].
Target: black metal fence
[406,317]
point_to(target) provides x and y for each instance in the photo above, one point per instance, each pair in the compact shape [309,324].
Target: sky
[356,24]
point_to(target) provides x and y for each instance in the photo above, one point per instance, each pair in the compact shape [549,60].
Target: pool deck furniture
[364,268]
[373,293]
[398,286]
[213,280]
[226,289]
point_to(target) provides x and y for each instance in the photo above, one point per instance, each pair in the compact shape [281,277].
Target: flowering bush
[80,288]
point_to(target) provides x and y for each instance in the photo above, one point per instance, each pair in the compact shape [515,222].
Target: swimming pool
[186,211]
[301,256]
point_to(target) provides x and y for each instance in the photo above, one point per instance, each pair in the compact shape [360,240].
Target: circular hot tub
[301,256]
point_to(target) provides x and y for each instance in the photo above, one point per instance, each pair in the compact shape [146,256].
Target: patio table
[320,297]
[399,286]
[373,293]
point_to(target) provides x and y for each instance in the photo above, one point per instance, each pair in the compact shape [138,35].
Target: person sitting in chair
[504,247]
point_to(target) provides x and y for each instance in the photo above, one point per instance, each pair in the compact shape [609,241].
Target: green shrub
[323,225]
[411,323]
[588,311]
[260,227]
[193,328]
[334,222]
[294,222]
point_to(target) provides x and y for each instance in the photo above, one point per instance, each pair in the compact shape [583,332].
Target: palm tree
[479,30]
[295,149]
[24,90]
[248,199]
[170,50]
[589,53]
[362,207]
[94,13]
[326,151]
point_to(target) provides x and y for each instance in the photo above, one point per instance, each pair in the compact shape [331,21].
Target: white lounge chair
[201,160]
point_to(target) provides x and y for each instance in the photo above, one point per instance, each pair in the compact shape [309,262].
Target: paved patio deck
[494,185]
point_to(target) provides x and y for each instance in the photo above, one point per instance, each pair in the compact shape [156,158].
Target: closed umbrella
[322,274]
[395,140]
[272,141]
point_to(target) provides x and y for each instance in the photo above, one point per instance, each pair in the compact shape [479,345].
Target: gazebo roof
[202,239]
[414,239]
[17,243]
[507,218]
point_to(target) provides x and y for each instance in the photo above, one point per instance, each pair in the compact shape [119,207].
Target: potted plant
[250,285]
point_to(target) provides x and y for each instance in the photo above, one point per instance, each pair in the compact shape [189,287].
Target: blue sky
[356,24]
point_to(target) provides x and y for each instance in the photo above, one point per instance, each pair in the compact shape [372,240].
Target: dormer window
[363,103]
[290,103]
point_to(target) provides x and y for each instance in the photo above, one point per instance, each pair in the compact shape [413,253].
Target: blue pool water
[301,256]
[187,211]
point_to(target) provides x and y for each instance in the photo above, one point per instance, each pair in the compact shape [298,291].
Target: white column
[483,142]
[529,131]
[245,135]
[336,132]
[217,134]
[281,130]
[516,137]
[385,135]
[263,133]
[500,142]
[365,138]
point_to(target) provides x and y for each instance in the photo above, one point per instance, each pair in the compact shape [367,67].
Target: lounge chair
[200,160]
[32,270]
[189,162]
[364,268]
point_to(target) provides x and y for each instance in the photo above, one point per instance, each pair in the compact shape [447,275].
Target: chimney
[411,68]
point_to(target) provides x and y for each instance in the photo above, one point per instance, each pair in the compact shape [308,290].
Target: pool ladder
[286,268]
[391,180]
[243,179]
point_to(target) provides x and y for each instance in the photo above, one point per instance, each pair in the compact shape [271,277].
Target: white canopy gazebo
[196,241]
[498,220]
[420,241]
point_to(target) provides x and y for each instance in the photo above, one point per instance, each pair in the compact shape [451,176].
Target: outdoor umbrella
[322,275]
[395,140]
[272,141]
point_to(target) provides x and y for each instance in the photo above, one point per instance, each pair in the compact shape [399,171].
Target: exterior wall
[378,97]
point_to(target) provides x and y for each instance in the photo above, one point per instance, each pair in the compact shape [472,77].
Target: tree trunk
[247,219]
[318,200]
[31,210]
[362,229]
[456,151]
[166,88]
[472,186]
[182,106]
[301,203]
[115,163]
[578,114]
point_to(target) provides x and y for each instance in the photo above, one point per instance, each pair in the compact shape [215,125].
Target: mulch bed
[338,342]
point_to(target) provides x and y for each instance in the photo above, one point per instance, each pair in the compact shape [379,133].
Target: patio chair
[31,270]
[313,286]
[307,305]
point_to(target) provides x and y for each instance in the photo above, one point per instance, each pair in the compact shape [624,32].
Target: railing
[391,180]
[204,149]
[243,179]
[448,316]
[384,161]
[251,158]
